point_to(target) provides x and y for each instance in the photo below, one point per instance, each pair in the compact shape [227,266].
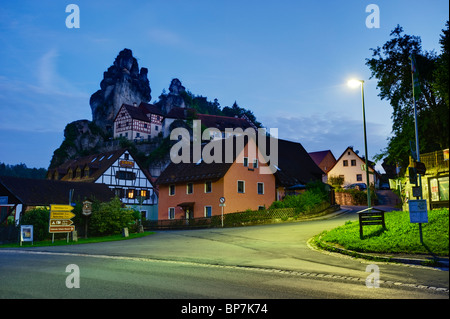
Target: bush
[315,195]
[39,218]
[110,218]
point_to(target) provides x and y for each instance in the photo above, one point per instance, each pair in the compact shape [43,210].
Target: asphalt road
[258,262]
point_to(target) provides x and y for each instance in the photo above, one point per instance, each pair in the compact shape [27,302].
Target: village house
[435,186]
[325,160]
[193,190]
[351,168]
[18,195]
[120,172]
[138,123]
[295,169]
[216,124]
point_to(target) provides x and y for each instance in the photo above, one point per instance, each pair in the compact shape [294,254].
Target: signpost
[222,204]
[60,222]
[87,211]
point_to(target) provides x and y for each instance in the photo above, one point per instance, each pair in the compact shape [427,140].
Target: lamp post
[354,84]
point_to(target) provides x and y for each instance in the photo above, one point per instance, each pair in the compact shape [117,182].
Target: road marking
[318,276]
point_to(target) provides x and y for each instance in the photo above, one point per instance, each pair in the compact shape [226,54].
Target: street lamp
[354,84]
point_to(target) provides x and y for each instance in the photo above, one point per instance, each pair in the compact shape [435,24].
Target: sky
[286,61]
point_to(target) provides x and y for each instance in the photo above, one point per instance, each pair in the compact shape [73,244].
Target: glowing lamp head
[355,83]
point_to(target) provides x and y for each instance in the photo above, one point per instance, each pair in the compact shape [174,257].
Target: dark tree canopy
[391,66]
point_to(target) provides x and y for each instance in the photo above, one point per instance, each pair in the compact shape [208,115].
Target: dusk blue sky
[287,61]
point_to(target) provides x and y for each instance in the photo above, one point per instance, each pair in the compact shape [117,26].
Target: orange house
[193,190]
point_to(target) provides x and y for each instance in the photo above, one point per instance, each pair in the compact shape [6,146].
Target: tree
[391,65]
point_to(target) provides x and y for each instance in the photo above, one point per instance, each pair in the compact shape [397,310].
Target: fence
[239,219]
[9,234]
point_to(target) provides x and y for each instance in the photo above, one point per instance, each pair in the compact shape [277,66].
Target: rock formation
[175,97]
[123,82]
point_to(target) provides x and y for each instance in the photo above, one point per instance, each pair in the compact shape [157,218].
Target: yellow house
[351,168]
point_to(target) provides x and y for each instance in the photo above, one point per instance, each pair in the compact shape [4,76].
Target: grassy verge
[63,241]
[401,236]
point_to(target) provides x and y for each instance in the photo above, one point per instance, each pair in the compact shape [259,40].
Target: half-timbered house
[120,172]
[138,122]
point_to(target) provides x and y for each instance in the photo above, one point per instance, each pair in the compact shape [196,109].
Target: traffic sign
[61,229]
[61,222]
[61,208]
[61,215]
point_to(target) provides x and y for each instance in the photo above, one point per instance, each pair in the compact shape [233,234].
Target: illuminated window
[131,194]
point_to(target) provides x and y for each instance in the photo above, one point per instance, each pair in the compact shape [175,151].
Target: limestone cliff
[123,82]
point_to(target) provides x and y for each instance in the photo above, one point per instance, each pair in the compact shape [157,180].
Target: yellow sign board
[61,208]
[61,215]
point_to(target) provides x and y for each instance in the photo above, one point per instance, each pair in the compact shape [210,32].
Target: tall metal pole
[365,145]
[416,131]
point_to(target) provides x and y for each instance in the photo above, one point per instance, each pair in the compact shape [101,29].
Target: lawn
[401,236]
[63,241]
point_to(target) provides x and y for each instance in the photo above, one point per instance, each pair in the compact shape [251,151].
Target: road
[258,262]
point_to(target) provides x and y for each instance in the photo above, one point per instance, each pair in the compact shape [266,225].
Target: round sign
[87,208]
[222,200]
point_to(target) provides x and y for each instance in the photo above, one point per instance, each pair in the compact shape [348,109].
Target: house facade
[351,168]
[193,190]
[325,160]
[120,172]
[435,184]
[138,123]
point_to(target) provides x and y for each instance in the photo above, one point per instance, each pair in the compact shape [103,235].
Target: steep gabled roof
[97,164]
[295,166]
[134,111]
[199,170]
[37,192]
[362,160]
[150,108]
[223,122]
[319,156]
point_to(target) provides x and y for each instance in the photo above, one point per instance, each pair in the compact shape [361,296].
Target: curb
[430,261]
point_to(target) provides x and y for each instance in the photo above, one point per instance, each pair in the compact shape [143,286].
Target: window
[345,162]
[359,177]
[171,212]
[119,192]
[208,211]
[171,190]
[131,193]
[208,187]
[261,207]
[245,161]
[261,188]
[189,188]
[439,189]
[125,175]
[241,187]
[353,162]
[255,163]
[145,194]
